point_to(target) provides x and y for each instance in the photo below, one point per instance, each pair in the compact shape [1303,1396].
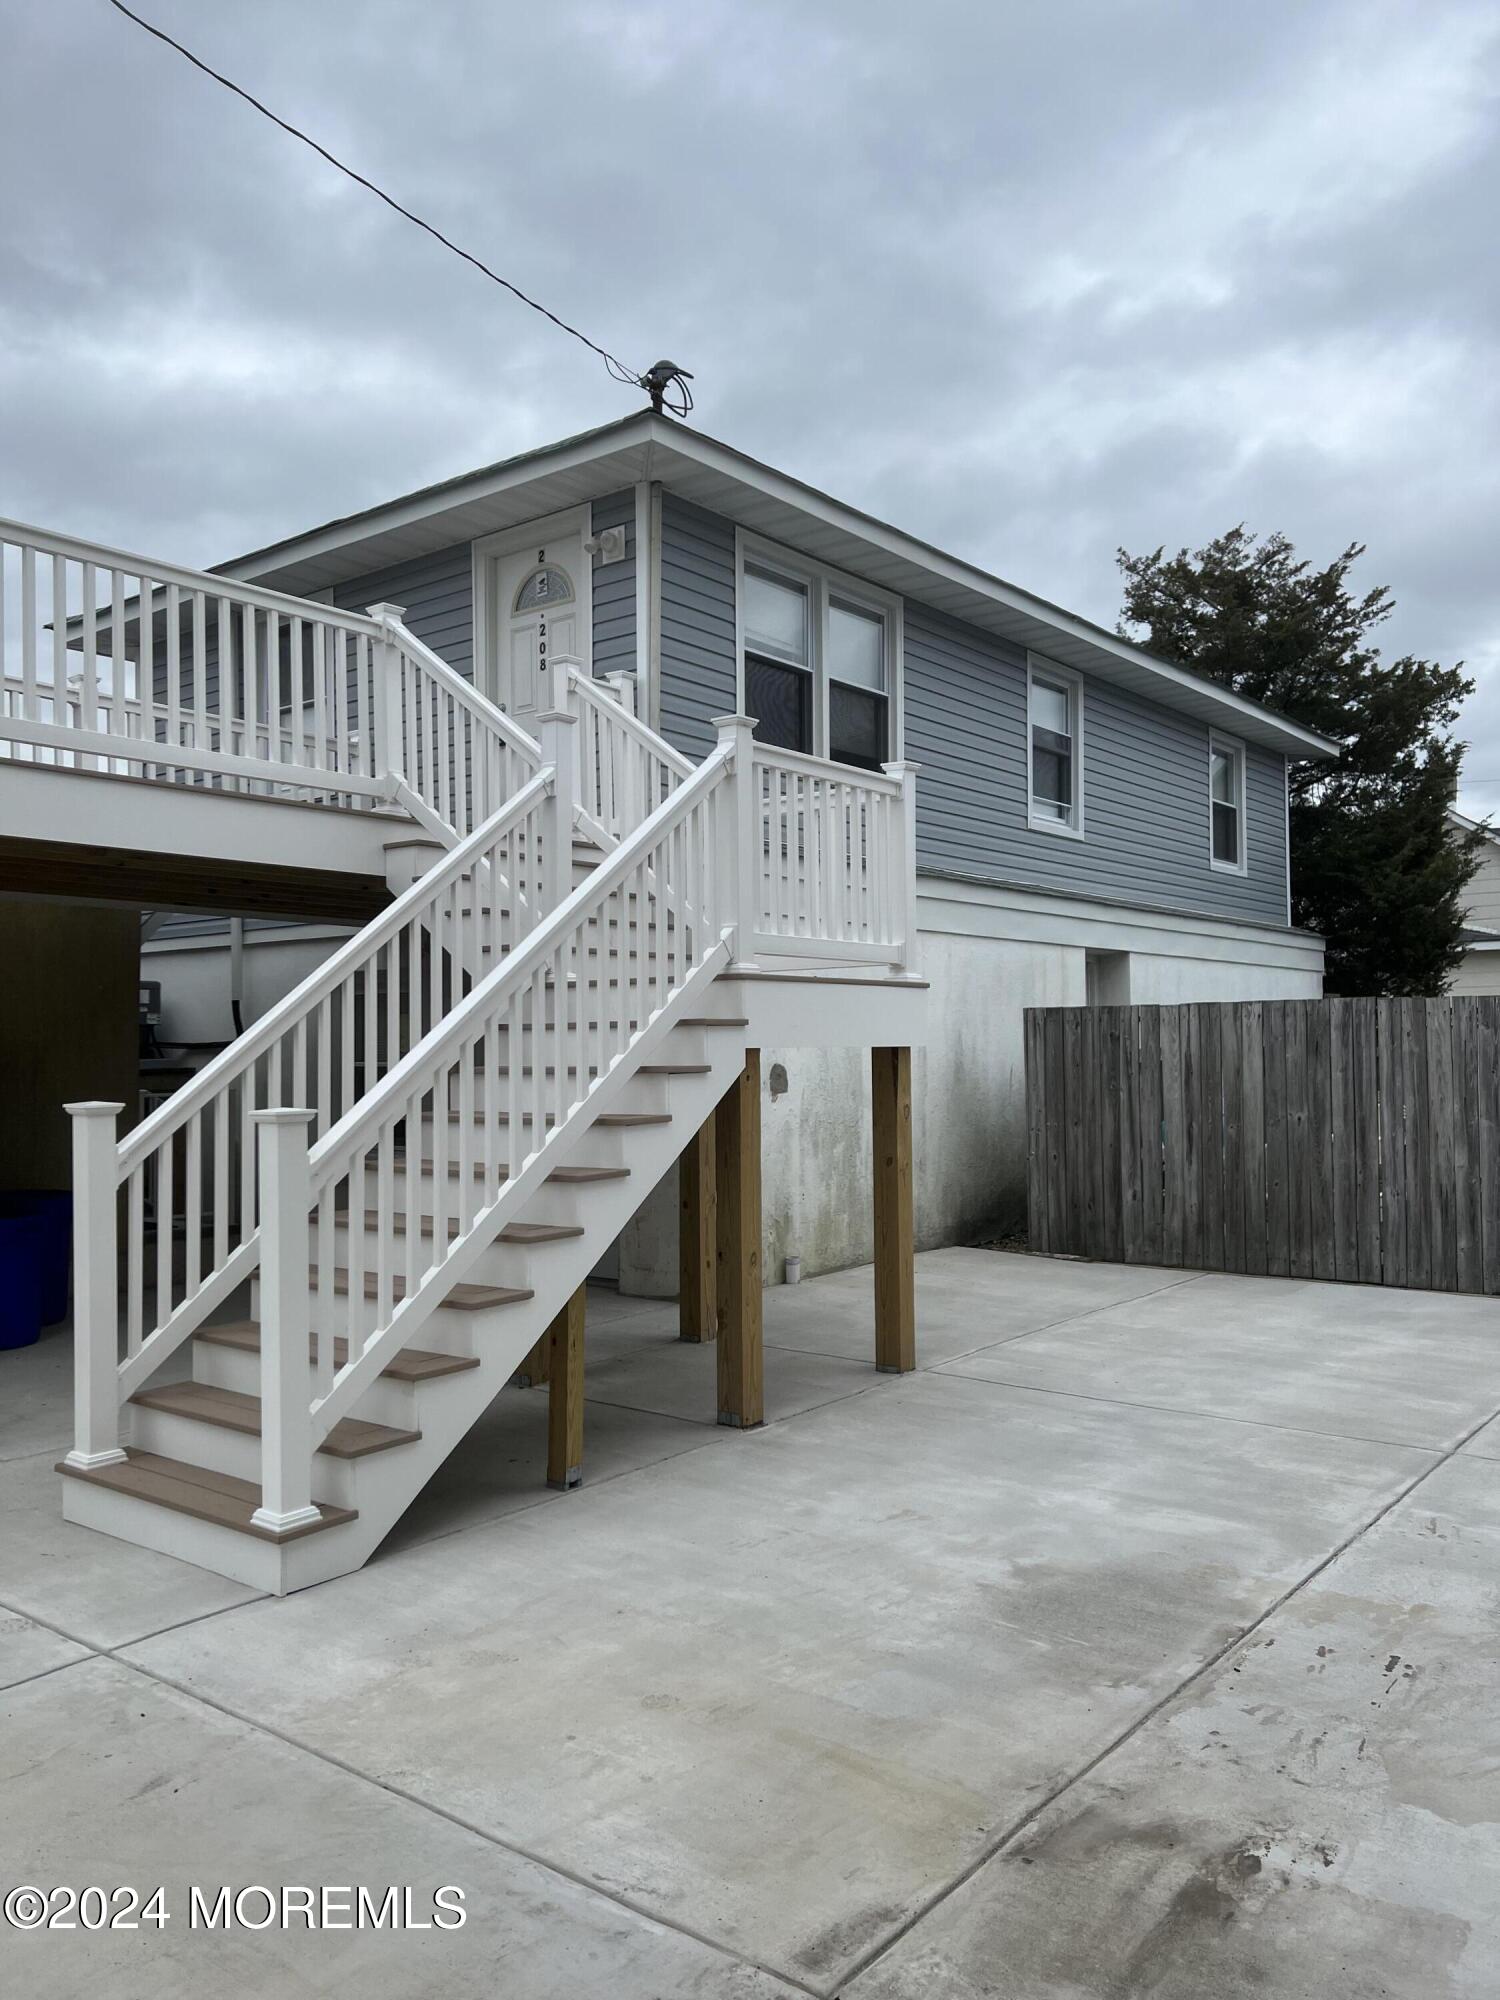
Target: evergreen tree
[1376,866]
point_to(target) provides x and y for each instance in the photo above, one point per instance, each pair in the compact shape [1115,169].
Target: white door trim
[551,527]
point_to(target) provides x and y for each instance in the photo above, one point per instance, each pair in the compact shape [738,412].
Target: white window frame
[1234,748]
[1040,668]
[822,584]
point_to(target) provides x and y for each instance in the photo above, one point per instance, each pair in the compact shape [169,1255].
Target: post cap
[93,1107]
[556,715]
[283,1115]
[734,721]
[384,610]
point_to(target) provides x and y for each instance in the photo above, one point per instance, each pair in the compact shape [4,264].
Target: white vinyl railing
[112,662]
[458,757]
[837,851]
[189,1166]
[661,896]
[625,770]
[115,663]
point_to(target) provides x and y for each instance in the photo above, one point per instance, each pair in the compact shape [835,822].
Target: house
[726,826]
[1479,971]
[1092,825]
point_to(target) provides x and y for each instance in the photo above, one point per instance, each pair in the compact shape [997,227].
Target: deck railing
[837,851]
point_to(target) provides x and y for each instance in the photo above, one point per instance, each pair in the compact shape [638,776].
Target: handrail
[772,755]
[323,980]
[213,581]
[521,963]
[630,725]
[465,693]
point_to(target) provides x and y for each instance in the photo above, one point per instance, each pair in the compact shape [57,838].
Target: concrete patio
[1143,1642]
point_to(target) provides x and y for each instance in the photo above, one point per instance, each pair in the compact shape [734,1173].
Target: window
[819,653]
[1055,723]
[778,660]
[1226,804]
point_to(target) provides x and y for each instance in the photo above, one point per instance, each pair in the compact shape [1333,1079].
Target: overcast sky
[1030,279]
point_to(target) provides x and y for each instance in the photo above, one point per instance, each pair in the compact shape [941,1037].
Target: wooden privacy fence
[1352,1139]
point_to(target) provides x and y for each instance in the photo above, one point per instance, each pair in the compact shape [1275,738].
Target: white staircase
[415,1159]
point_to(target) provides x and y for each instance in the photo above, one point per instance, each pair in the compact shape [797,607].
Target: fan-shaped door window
[544,588]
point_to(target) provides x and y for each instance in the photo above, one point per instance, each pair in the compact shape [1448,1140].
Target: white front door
[539,595]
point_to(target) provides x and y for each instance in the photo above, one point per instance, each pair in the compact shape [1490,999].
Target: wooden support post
[565,1395]
[697,1306]
[737,1249]
[895,1263]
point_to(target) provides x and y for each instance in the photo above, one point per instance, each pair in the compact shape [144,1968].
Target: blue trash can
[55,1232]
[20,1271]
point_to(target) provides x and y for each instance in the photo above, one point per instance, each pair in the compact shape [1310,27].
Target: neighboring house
[1480,969]
[1093,825]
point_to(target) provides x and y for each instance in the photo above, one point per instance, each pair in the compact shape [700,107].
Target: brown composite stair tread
[673,1069]
[513,1232]
[620,1118]
[193,1489]
[409,1364]
[565,1176]
[458,1298]
[713,1021]
[230,1410]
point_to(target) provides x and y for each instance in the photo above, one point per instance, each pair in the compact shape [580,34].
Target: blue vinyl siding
[698,667]
[1145,787]
[614,590]
[1145,767]
[438,592]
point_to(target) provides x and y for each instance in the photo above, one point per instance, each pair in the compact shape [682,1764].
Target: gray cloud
[1031,281]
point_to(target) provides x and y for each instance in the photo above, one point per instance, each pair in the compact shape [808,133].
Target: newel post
[739,839]
[622,686]
[557,733]
[905,856]
[96,1287]
[386,707]
[285,1324]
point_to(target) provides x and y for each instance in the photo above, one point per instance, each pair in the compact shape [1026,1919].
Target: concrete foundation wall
[67,1029]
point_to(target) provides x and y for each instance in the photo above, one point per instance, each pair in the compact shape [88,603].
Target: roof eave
[644,444]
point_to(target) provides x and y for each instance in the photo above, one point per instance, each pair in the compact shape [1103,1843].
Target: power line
[651,381]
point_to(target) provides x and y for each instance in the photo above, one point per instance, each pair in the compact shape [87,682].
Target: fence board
[1278,1190]
[1253,1126]
[1148,1054]
[1364,1138]
[1174,1136]
[1057,1128]
[1394,1263]
[1348,1139]
[1488,1012]
[1037,1152]
[1442,1195]
[1468,1245]
[1075,1156]
[1317,1015]
[1232,1153]
[1112,1234]
[1298,1143]
[1421,1205]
